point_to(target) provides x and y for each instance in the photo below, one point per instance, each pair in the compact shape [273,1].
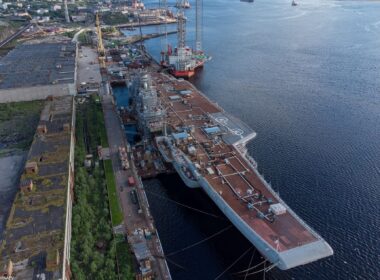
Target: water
[122,99]
[306,78]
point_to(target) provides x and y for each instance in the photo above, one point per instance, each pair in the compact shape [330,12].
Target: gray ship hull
[297,256]
[188,182]
[283,260]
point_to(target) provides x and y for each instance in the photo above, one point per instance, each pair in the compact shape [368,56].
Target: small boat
[294,3]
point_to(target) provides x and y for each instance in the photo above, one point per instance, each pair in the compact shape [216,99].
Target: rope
[265,264]
[199,242]
[238,259]
[250,262]
[174,263]
[255,272]
[251,268]
[265,269]
[184,205]
[169,260]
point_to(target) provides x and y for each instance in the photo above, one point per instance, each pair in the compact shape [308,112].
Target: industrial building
[38,230]
[36,71]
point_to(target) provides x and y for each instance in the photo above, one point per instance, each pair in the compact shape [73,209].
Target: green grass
[16,24]
[70,34]
[14,109]
[85,38]
[102,130]
[116,214]
[95,123]
[18,122]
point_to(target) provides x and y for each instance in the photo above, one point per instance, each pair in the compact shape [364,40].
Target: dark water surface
[307,79]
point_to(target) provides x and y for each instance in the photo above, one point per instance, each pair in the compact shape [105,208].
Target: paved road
[132,219]
[76,35]
[88,66]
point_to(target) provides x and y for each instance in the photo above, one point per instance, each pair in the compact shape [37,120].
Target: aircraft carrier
[207,147]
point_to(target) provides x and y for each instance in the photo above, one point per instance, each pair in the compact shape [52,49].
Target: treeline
[112,18]
[93,248]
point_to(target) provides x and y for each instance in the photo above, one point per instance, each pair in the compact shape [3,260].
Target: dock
[207,148]
[147,23]
[138,224]
[138,221]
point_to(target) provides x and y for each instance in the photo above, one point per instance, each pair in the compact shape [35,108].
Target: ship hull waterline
[283,260]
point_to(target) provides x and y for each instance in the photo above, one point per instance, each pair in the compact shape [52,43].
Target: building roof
[212,130]
[35,228]
[38,64]
[141,251]
[180,135]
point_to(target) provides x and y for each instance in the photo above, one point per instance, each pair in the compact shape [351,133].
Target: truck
[131,181]
[133,196]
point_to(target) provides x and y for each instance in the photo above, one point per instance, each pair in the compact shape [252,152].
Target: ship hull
[304,244]
[183,74]
[286,260]
[283,260]
[187,73]
[167,158]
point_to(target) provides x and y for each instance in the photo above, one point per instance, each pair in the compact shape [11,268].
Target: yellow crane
[101,50]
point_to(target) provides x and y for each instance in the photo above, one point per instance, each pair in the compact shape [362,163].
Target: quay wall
[66,271]
[36,92]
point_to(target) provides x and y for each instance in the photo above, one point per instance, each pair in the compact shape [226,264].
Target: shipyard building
[37,237]
[36,71]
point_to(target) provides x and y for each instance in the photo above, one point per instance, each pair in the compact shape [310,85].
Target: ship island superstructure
[207,148]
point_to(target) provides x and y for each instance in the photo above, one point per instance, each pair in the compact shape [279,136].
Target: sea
[306,78]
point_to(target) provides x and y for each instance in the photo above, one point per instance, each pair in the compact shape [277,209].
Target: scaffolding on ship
[147,106]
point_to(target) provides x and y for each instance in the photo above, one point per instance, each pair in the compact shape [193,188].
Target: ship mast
[181,26]
[181,36]
[163,27]
[198,25]
[184,61]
